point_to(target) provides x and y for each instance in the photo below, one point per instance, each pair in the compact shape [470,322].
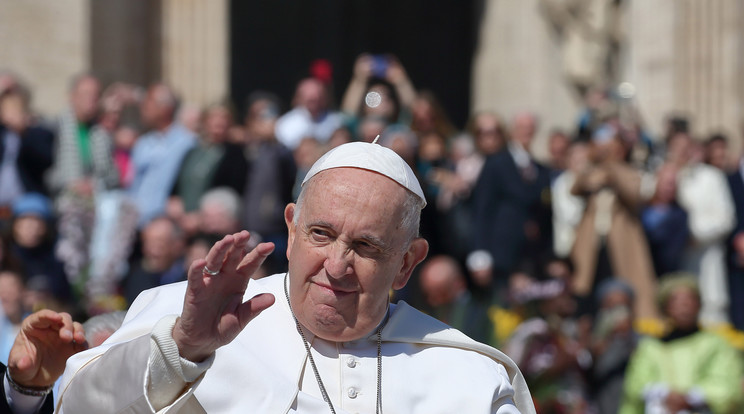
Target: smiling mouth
[334,290]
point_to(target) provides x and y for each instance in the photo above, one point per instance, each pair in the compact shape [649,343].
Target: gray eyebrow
[375,240]
[368,237]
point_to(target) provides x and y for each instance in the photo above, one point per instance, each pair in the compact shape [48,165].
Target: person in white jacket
[320,338]
[703,191]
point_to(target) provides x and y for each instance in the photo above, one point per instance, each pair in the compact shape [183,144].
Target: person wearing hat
[320,338]
[33,243]
[687,370]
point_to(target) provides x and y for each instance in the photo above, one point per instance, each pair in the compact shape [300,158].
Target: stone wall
[46,42]
[517,67]
[195,48]
[683,57]
[183,42]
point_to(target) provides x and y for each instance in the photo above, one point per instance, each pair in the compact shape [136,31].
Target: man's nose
[338,260]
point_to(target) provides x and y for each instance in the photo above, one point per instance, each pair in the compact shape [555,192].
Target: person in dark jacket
[25,150]
[512,201]
[263,172]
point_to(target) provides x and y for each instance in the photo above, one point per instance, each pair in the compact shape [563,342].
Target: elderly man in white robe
[321,338]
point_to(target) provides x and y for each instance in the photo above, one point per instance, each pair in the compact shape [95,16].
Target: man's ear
[289,219]
[415,254]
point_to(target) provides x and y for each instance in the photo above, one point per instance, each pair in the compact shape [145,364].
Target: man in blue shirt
[157,154]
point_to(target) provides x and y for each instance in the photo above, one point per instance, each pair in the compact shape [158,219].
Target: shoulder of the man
[38,135]
[500,157]
[408,325]
[144,141]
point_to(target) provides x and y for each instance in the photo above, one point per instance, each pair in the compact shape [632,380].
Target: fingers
[60,322]
[66,330]
[78,337]
[237,251]
[225,254]
[253,307]
[216,255]
[228,255]
[196,270]
[43,319]
[255,258]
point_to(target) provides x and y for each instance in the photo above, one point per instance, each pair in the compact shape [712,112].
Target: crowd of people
[586,268]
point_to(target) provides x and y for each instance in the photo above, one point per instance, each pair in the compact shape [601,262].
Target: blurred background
[681,56]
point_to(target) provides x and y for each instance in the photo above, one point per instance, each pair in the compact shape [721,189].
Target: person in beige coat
[614,192]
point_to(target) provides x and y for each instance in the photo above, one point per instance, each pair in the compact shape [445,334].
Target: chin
[327,320]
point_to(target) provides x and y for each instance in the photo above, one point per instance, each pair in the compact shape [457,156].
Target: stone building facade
[682,56]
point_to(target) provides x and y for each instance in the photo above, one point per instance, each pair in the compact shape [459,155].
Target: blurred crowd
[611,271]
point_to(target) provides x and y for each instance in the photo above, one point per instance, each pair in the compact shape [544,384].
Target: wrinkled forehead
[356,202]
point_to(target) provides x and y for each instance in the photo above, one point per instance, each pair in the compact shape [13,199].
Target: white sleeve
[169,374]
[20,403]
[152,379]
[568,210]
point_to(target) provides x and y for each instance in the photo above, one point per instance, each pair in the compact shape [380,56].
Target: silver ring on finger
[210,272]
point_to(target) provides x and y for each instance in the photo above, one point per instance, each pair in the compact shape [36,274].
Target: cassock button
[351,362]
[352,393]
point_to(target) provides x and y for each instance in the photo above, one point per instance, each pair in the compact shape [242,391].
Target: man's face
[679,149]
[155,108]
[85,98]
[523,130]
[160,246]
[311,95]
[261,120]
[215,219]
[346,251]
[29,230]
[218,124]
[441,283]
[558,147]
[683,307]
[717,154]
[13,113]
[488,136]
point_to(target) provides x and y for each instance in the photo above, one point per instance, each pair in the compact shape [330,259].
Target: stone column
[517,67]
[125,41]
[684,57]
[45,42]
[195,36]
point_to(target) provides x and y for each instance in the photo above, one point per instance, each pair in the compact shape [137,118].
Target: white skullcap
[371,157]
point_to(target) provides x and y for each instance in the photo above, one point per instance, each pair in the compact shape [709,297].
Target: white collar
[519,154]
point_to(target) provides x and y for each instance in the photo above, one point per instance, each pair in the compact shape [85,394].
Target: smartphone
[379,66]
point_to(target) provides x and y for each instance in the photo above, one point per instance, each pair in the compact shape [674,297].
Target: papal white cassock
[427,367]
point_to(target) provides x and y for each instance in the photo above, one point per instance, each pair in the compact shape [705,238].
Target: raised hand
[363,67]
[39,353]
[395,73]
[213,311]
